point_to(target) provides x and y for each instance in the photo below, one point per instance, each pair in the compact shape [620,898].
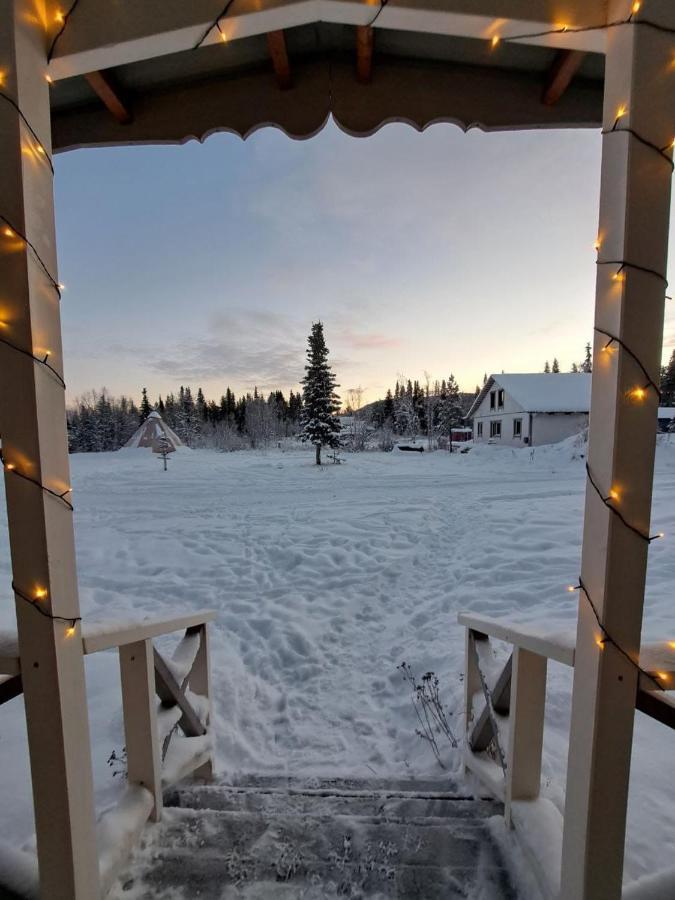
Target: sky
[206,264]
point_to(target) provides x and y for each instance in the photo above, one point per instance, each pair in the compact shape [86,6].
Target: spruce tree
[555,368]
[668,383]
[146,409]
[451,413]
[321,427]
[547,368]
[587,364]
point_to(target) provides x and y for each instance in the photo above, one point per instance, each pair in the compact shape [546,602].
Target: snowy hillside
[325,580]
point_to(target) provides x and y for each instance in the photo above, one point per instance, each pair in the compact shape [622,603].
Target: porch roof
[429,62]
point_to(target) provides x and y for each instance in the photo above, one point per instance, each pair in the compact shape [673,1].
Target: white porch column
[32,425]
[634,217]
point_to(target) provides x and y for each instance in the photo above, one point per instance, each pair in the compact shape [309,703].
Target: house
[533,409]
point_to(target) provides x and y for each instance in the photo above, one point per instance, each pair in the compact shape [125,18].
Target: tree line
[98,421]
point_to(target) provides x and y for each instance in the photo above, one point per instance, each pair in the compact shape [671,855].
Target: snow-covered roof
[539,392]
[154,415]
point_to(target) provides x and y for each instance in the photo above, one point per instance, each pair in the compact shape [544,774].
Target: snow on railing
[504,707]
[157,755]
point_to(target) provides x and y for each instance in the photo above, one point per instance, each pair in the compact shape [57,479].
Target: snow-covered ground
[325,580]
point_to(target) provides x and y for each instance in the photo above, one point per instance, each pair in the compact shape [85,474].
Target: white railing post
[472,684]
[633,228]
[34,444]
[526,727]
[200,683]
[144,764]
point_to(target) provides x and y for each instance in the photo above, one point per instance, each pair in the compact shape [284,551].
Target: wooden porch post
[34,445]
[634,216]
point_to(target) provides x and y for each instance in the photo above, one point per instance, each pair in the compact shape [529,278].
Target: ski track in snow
[325,580]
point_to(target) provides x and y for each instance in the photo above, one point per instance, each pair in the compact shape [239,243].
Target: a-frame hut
[150,434]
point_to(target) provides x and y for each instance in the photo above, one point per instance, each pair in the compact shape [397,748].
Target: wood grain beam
[565,66]
[104,86]
[364,53]
[276,44]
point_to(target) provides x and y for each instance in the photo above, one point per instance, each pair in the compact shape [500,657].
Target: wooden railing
[167,717]
[505,708]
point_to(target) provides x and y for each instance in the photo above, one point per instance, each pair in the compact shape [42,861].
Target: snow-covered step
[285,839]
[334,799]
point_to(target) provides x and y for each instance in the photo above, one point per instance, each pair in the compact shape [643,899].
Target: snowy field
[325,580]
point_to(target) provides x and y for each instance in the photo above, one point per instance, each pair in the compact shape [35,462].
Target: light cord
[608,639]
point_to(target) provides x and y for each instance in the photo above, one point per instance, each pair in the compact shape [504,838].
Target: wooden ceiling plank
[565,66]
[276,43]
[364,53]
[108,93]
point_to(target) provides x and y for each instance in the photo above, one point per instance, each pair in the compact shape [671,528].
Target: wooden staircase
[289,838]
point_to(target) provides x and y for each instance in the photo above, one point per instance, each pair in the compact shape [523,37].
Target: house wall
[549,428]
[506,414]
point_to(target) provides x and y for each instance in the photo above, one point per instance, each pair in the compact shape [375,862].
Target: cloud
[245,347]
[368,340]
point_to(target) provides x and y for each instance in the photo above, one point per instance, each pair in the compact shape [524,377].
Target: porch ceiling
[421,73]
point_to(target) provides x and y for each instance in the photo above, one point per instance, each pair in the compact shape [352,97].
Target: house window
[496,428]
[479,430]
[493,399]
[500,399]
[517,428]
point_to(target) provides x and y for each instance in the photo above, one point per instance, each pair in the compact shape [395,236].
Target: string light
[606,638]
[63,19]
[216,24]
[636,7]
[62,496]
[10,230]
[612,498]
[581,29]
[620,274]
[71,621]
[41,148]
[49,79]
[639,392]
[42,360]
[495,41]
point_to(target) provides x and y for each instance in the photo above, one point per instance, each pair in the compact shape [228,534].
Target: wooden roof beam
[103,85]
[565,66]
[364,53]
[276,43]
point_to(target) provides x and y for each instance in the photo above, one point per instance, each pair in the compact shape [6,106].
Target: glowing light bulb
[60,17]
[49,79]
[661,534]
[40,593]
[223,37]
[614,495]
[70,631]
[596,245]
[563,28]
[636,7]
[41,150]
[601,643]
[571,588]
[663,676]
[621,112]
[638,393]
[10,467]
[495,41]
[8,232]
[671,644]
[61,286]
